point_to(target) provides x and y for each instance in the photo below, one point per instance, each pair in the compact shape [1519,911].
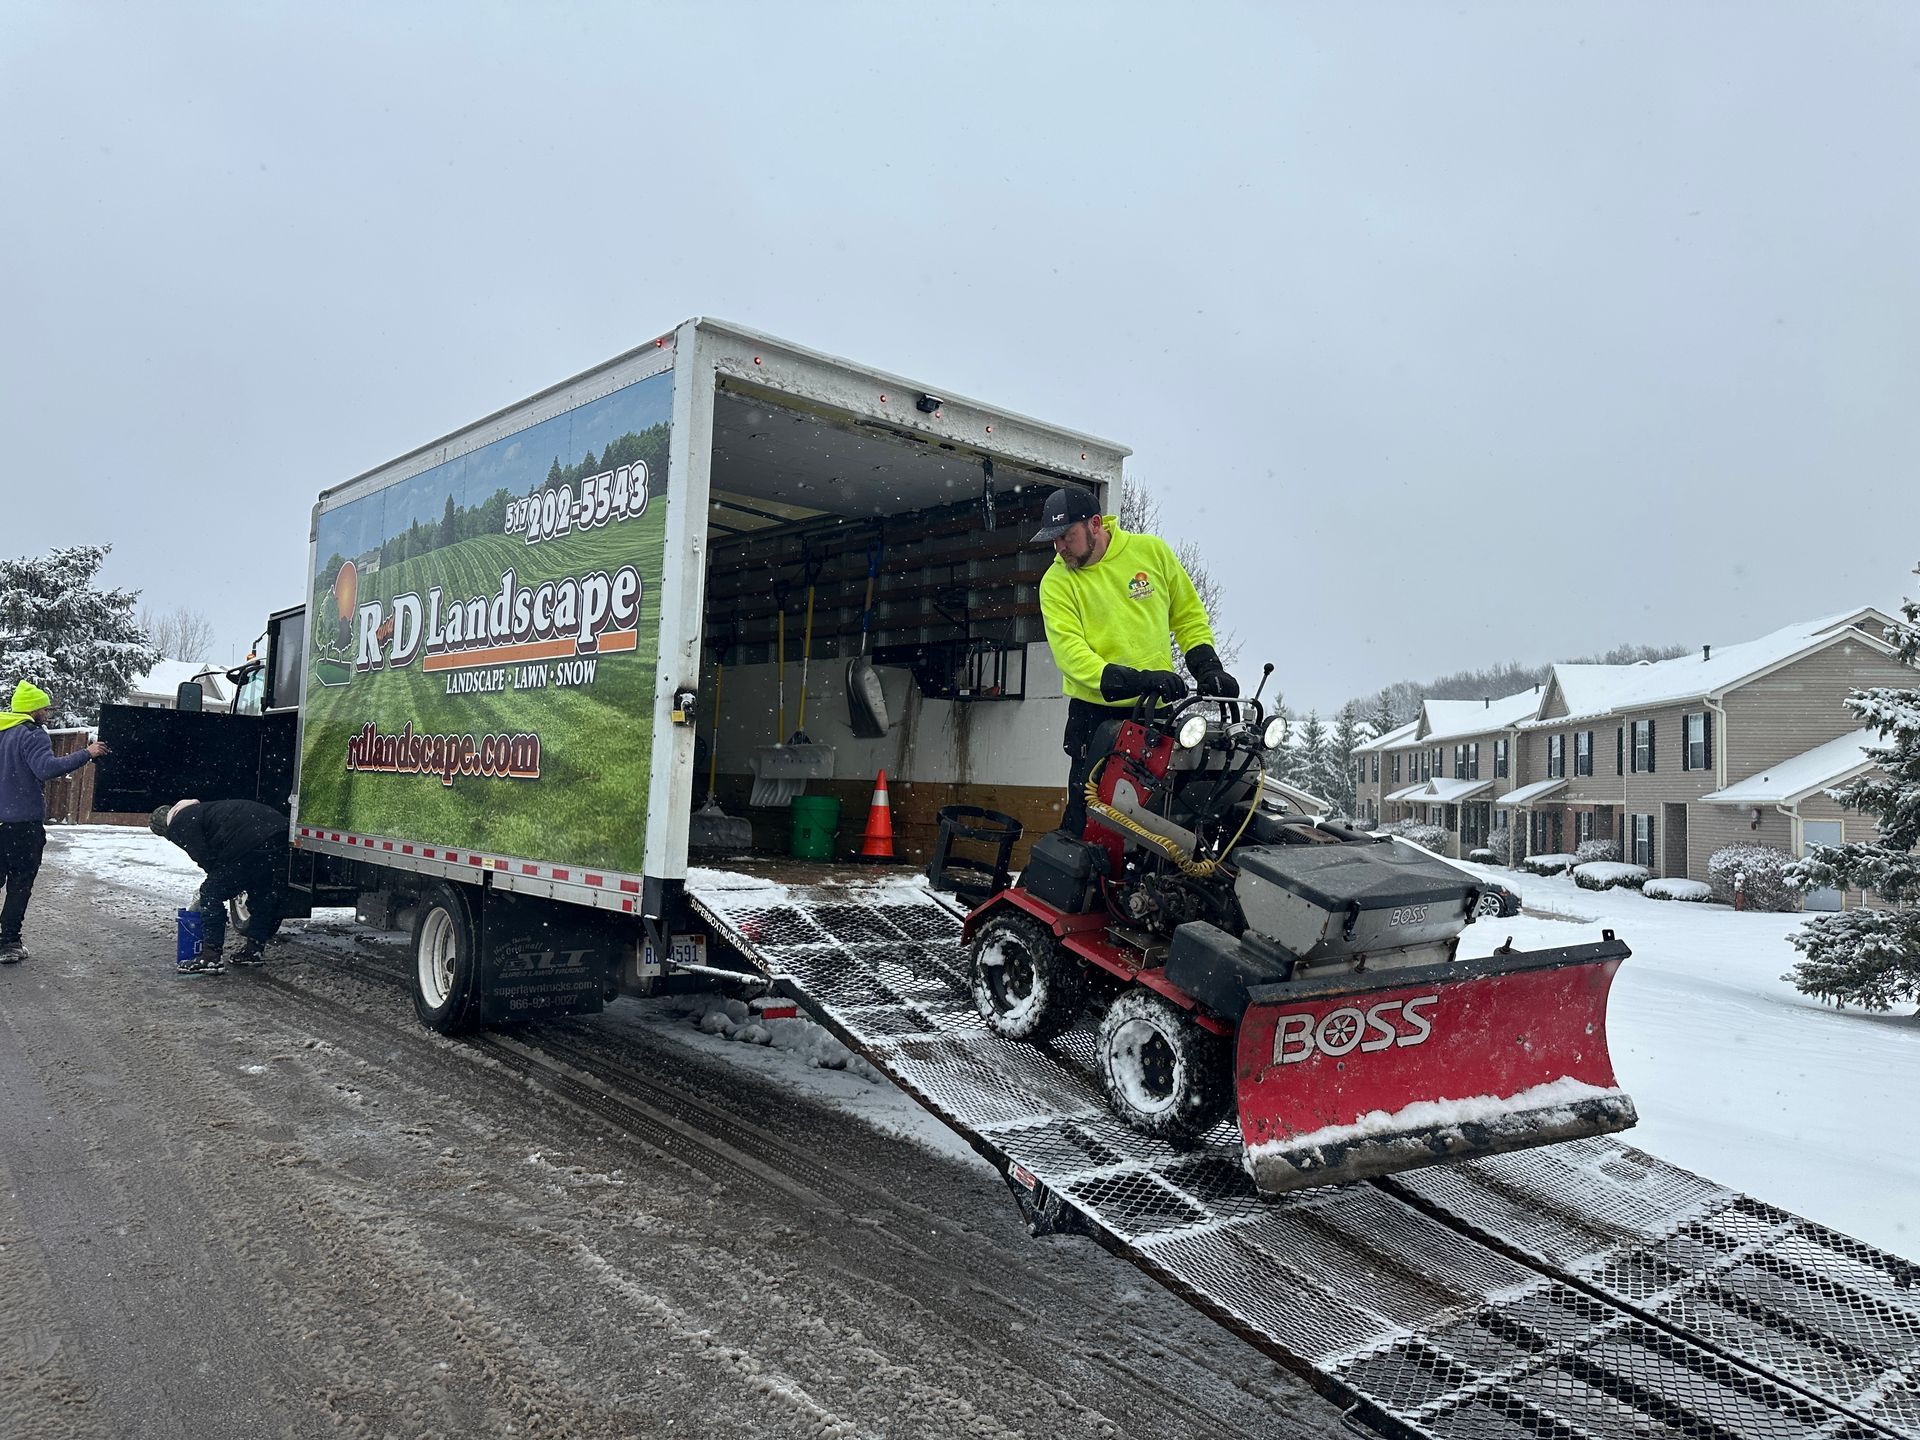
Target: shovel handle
[806,659]
[713,748]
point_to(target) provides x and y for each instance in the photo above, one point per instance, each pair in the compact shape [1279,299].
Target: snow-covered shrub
[1547,864]
[1500,844]
[1481,856]
[1605,874]
[1433,837]
[1694,890]
[1588,851]
[1765,871]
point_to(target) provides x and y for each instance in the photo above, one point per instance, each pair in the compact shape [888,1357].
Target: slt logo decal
[1298,1037]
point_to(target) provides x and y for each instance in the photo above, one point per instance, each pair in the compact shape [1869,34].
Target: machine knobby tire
[1163,1074]
[446,962]
[1036,990]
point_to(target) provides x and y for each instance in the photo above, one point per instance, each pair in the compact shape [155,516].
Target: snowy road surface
[272,1205]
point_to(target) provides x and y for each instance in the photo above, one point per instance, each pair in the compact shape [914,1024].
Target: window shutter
[1620,751]
[1706,731]
[1685,760]
[1652,749]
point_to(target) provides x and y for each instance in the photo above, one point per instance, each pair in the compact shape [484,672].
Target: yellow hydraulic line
[1194,869]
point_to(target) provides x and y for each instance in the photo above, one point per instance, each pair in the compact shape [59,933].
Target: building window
[1643,838]
[1376,769]
[1695,751]
[1459,762]
[1439,757]
[1643,747]
[1394,770]
[1360,771]
[1582,825]
[1583,752]
[1556,757]
[1499,818]
[1499,759]
[1426,766]
[1473,761]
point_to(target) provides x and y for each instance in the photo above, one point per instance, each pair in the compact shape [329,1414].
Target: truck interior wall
[974,701]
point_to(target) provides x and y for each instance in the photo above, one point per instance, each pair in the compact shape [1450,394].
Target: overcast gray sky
[1453,334]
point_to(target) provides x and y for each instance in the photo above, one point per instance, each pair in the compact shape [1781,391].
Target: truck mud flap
[1386,1304]
[539,960]
[1357,1076]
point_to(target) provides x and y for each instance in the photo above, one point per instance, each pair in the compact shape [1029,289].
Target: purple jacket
[27,762]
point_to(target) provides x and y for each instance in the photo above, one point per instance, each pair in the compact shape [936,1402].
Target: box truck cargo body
[499,694]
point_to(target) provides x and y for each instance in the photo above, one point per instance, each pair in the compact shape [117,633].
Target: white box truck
[496,707]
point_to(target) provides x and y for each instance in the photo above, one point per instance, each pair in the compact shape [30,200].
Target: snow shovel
[1356,1075]
[781,772]
[712,828]
[866,699]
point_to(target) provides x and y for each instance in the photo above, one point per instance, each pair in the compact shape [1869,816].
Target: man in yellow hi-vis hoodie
[1114,604]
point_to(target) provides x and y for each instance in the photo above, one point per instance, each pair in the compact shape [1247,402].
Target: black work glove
[1210,674]
[1123,682]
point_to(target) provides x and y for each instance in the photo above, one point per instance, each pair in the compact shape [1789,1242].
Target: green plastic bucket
[815,818]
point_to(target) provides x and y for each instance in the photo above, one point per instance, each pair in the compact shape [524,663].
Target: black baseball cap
[1066,507]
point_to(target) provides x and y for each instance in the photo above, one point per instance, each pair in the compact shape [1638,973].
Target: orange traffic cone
[878,841]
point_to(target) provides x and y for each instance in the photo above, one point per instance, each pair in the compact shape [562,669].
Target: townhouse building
[1680,758]
[1673,760]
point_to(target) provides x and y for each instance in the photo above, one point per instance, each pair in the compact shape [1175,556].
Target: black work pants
[1084,719]
[21,845]
[263,880]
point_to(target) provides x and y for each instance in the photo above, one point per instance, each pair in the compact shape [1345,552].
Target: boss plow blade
[1340,1081]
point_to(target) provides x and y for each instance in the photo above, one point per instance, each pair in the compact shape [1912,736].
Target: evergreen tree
[1312,759]
[83,646]
[1383,720]
[1347,734]
[1871,958]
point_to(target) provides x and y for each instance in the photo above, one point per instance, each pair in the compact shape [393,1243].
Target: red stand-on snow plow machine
[1302,968]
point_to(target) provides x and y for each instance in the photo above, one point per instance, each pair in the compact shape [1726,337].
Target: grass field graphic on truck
[483,643]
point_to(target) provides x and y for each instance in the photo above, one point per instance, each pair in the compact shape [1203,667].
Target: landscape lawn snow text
[1737,1076]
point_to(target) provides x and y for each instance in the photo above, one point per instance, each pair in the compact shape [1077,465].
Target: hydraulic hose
[1191,868]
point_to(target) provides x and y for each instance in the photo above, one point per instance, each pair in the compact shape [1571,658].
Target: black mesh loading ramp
[1386,1299]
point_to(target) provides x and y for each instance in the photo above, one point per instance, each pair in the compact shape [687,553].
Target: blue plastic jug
[186,935]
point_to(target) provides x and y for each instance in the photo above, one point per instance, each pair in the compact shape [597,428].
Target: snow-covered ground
[1737,1075]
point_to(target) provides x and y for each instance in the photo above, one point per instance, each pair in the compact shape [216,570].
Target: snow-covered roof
[1795,779]
[168,676]
[1441,792]
[1527,794]
[1452,719]
[1398,735]
[1591,691]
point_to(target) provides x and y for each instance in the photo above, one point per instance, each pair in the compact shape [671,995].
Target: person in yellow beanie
[27,762]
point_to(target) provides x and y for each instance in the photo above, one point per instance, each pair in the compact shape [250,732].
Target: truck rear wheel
[1024,985]
[1163,1074]
[446,962]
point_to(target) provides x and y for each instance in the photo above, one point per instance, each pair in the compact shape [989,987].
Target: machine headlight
[1192,731]
[1275,734]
